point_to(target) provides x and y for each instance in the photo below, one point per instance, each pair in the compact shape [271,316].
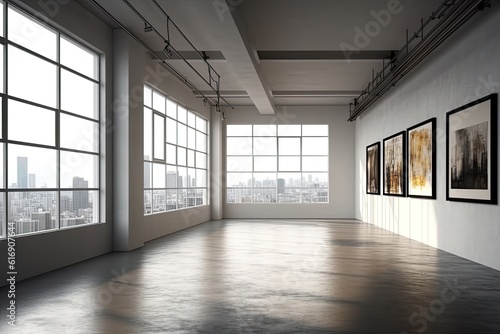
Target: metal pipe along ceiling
[453,14]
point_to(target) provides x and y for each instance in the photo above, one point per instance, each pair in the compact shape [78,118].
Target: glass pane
[79,58]
[42,84]
[79,134]
[315,130]
[239,164]
[289,146]
[79,170]
[289,180]
[171,131]
[201,178]
[181,135]
[32,163]
[315,164]
[315,180]
[159,201]
[191,178]
[239,195]
[314,195]
[31,124]
[190,161]
[289,195]
[79,95]
[181,198]
[289,164]
[148,97]
[264,180]
[1,67]
[264,146]
[191,119]
[159,137]
[148,198]
[264,195]
[264,130]
[32,211]
[239,180]
[2,203]
[201,124]
[201,142]
[239,130]
[181,156]
[191,138]
[171,199]
[171,154]
[181,114]
[171,109]
[289,130]
[1,174]
[315,146]
[158,102]
[182,181]
[1,34]
[148,134]
[172,176]
[147,175]
[201,160]
[159,176]
[79,207]
[27,32]
[239,146]
[264,164]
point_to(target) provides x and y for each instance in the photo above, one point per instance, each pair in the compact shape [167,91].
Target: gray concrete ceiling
[278,52]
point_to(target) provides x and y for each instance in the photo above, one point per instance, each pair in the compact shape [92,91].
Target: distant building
[281,186]
[80,198]
[22,172]
[31,180]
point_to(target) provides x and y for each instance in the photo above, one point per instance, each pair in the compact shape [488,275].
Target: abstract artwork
[373,169]
[471,152]
[422,159]
[394,165]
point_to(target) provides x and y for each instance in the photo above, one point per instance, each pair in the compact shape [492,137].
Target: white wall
[341,166]
[456,73]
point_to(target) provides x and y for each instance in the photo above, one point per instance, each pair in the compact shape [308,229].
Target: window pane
[315,130]
[171,199]
[191,119]
[79,95]
[79,134]
[201,160]
[158,102]
[190,161]
[264,130]
[182,178]
[171,154]
[79,170]
[171,131]
[289,164]
[201,178]
[289,180]
[239,195]
[201,142]
[242,180]
[315,164]
[191,178]
[148,134]
[148,97]
[264,164]
[239,164]
[289,146]
[159,201]
[289,130]
[32,163]
[42,215]
[159,176]
[181,198]
[171,109]
[181,114]
[148,171]
[201,124]
[315,146]
[181,156]
[42,84]
[181,135]
[314,195]
[239,130]
[239,146]
[315,180]
[1,174]
[264,195]
[264,180]
[79,58]
[148,201]
[264,146]
[172,176]
[1,34]
[159,137]
[2,203]
[191,138]
[1,67]
[27,32]
[289,195]
[31,124]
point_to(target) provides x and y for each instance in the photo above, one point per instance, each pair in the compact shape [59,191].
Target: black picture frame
[373,169]
[472,152]
[421,160]
[394,166]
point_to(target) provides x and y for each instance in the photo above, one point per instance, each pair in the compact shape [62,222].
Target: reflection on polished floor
[266,276]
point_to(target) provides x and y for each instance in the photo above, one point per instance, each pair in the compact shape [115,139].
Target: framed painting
[394,165]
[373,169]
[471,152]
[421,180]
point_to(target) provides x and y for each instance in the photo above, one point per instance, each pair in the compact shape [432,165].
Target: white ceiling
[278,52]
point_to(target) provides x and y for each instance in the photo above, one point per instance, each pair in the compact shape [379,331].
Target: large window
[175,155]
[49,132]
[277,163]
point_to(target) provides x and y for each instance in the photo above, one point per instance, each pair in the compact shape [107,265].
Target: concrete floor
[265,276]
